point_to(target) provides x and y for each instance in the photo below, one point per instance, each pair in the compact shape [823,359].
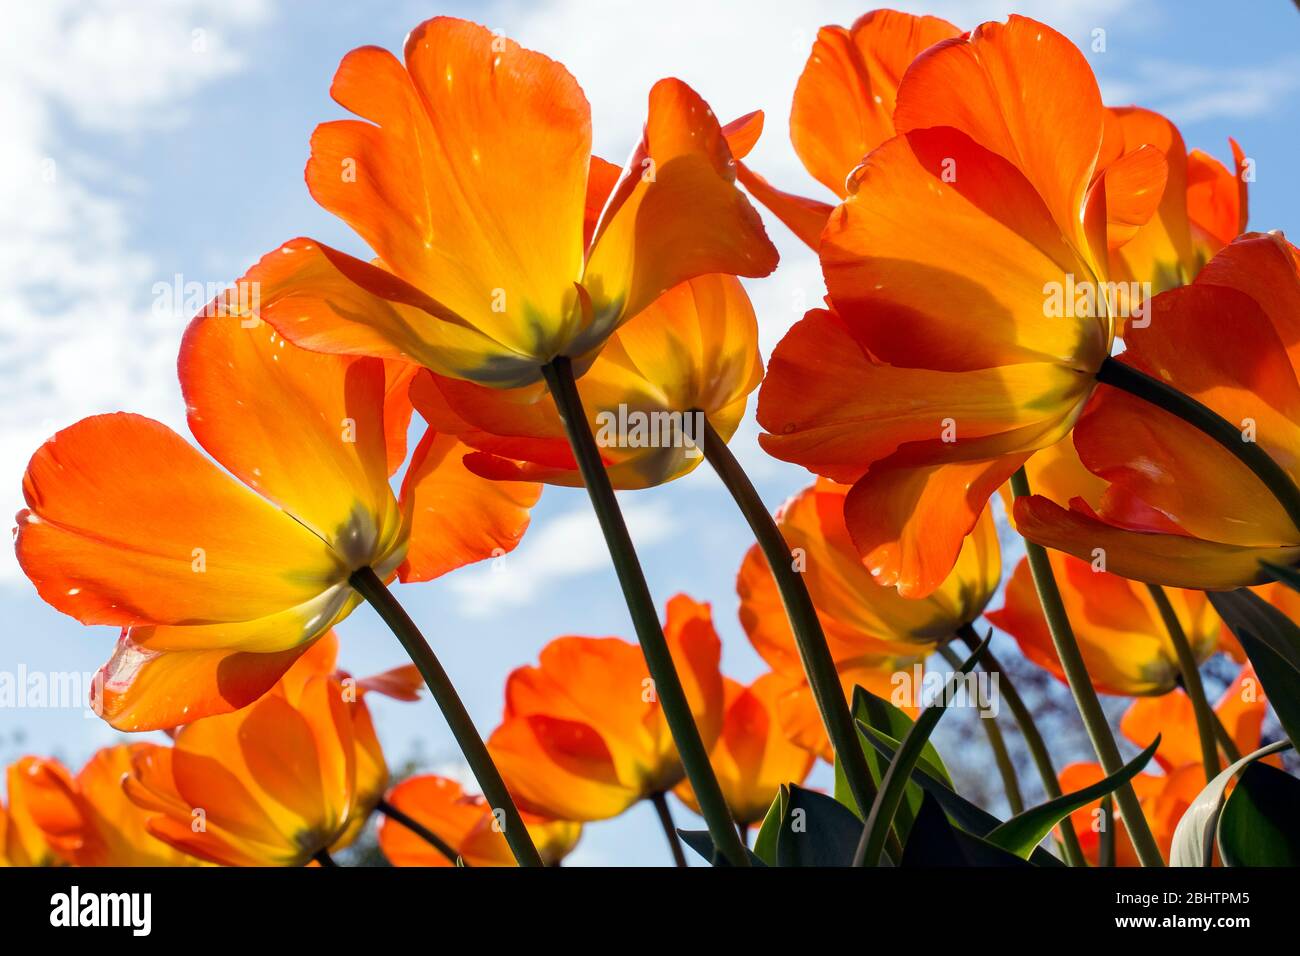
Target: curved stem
[1033,740]
[1156,392]
[998,744]
[1085,697]
[818,665]
[420,830]
[645,619]
[323,858]
[1226,743]
[660,801]
[1191,681]
[462,727]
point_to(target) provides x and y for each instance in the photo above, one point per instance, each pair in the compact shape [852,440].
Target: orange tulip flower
[22,841]
[584,736]
[466,824]
[536,249]
[843,109]
[221,582]
[272,784]
[986,211]
[87,820]
[752,756]
[695,349]
[1166,797]
[1204,206]
[1179,509]
[1118,627]
[872,630]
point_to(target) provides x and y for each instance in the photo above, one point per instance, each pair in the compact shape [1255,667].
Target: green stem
[420,830]
[998,744]
[1106,845]
[1042,757]
[323,858]
[818,664]
[1191,681]
[462,727]
[1210,422]
[1226,743]
[880,820]
[660,801]
[1085,697]
[645,619]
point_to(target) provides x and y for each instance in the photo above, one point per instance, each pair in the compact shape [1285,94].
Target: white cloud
[76,331]
[1189,93]
[565,546]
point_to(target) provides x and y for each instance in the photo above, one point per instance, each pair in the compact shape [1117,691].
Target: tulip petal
[457,517]
[844,102]
[128,524]
[1027,94]
[470,109]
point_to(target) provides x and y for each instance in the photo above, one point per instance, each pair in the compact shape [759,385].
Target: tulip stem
[814,652]
[1033,740]
[367,583]
[1226,743]
[420,830]
[645,619]
[998,744]
[323,858]
[1230,436]
[660,801]
[1191,681]
[1085,697]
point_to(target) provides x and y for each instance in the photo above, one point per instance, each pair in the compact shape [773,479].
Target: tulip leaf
[765,842]
[702,843]
[934,841]
[871,711]
[973,819]
[1259,826]
[1023,832]
[1272,642]
[1193,837]
[1288,576]
[816,830]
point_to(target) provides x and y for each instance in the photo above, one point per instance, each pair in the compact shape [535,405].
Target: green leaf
[1288,576]
[898,777]
[1023,832]
[816,831]
[1272,642]
[934,841]
[968,816]
[1259,825]
[1192,845]
[702,843]
[765,842]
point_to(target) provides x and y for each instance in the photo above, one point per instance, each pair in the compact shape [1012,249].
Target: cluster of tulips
[990,232]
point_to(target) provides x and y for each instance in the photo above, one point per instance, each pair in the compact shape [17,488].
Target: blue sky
[151,139]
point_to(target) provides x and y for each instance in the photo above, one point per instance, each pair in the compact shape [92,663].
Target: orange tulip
[1166,797]
[538,249]
[872,630]
[752,756]
[1179,509]
[1116,623]
[695,349]
[220,583]
[22,842]
[466,824]
[1203,208]
[272,784]
[87,820]
[986,212]
[843,109]
[584,736]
